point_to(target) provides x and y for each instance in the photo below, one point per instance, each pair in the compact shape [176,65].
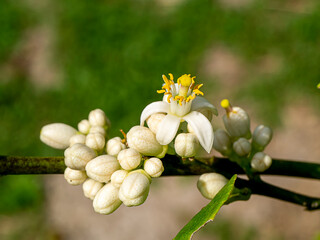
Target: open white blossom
[181,103]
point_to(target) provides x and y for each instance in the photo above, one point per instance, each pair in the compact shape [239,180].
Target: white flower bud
[97,117]
[74,177]
[78,155]
[57,135]
[242,147]
[118,177]
[114,146]
[154,167]
[95,141]
[107,201]
[262,135]
[144,141]
[186,144]
[209,184]
[84,126]
[237,122]
[154,120]
[78,138]
[261,162]
[102,167]
[222,141]
[135,188]
[97,129]
[91,187]
[129,158]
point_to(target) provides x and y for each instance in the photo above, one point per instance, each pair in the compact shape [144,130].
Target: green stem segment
[174,166]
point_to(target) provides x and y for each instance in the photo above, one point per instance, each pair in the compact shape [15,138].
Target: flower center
[185,91]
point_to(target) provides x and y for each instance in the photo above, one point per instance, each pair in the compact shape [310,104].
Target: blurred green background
[61,59]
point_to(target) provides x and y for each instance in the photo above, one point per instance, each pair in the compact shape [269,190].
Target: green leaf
[207,213]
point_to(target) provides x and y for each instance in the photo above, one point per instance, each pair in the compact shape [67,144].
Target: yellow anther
[185,80]
[168,98]
[225,103]
[171,76]
[161,91]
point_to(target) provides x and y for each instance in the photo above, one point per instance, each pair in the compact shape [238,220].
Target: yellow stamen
[168,98]
[225,103]
[124,140]
[161,91]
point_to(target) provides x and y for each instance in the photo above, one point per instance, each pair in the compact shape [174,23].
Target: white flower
[181,103]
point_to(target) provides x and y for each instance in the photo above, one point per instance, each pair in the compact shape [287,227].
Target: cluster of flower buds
[113,171]
[234,142]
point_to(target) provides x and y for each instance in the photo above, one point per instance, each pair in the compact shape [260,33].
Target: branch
[174,166]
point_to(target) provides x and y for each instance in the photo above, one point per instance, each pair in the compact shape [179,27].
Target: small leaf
[207,213]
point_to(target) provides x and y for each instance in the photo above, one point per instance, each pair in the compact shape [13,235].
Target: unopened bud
[114,146]
[102,167]
[135,188]
[129,158]
[262,135]
[78,155]
[91,187]
[95,141]
[118,177]
[154,167]
[74,177]
[154,120]
[97,117]
[84,126]
[261,162]
[209,184]
[78,138]
[144,141]
[57,135]
[242,147]
[186,144]
[98,129]
[107,199]
[236,121]
[222,141]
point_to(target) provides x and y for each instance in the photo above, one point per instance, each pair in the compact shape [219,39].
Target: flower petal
[168,129]
[202,129]
[155,107]
[200,103]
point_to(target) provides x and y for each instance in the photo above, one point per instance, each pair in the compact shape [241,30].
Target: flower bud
[144,141]
[154,167]
[222,141]
[242,147]
[186,144]
[261,162]
[107,201]
[74,177]
[236,121]
[154,120]
[97,117]
[78,138]
[98,129]
[102,167]
[114,146]
[118,177]
[57,135]
[78,155]
[95,141]
[209,184]
[262,135]
[84,126]
[129,158]
[91,187]
[135,188]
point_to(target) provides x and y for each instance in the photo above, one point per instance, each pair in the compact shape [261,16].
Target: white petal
[155,107]
[200,103]
[202,129]
[167,129]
